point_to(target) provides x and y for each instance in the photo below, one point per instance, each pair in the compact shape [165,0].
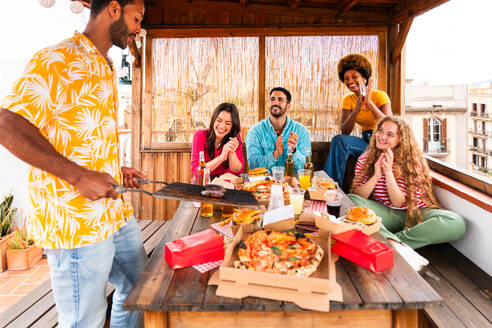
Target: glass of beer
[227,211]
[333,202]
[297,200]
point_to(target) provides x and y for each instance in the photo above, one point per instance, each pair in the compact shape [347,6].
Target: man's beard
[277,114]
[119,32]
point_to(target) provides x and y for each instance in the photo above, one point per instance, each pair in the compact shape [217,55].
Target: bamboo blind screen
[191,76]
[307,67]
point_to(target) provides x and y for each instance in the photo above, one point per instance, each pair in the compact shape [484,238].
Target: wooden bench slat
[465,312]
[441,316]
[466,287]
[465,265]
[48,320]
[22,305]
[33,312]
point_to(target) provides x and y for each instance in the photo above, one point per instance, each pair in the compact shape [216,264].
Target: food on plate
[243,216]
[324,183]
[279,252]
[258,172]
[361,214]
[261,188]
[214,190]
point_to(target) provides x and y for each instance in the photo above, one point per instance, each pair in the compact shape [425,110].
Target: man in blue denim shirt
[267,141]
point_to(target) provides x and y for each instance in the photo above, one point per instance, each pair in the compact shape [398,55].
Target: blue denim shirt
[260,144]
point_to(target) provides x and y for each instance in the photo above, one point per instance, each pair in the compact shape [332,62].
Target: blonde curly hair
[409,163]
[356,62]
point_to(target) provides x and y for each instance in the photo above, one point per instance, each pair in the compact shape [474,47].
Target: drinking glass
[297,199]
[304,179]
[278,173]
[333,202]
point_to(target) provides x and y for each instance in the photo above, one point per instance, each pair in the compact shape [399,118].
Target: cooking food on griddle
[213,190]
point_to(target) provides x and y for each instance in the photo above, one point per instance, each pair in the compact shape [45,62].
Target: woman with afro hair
[392,178]
[364,106]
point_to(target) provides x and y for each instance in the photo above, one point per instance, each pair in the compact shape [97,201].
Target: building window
[474,105]
[482,108]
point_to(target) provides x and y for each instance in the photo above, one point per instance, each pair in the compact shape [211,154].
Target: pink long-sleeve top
[199,144]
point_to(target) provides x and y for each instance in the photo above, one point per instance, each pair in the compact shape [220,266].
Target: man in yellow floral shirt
[60,117]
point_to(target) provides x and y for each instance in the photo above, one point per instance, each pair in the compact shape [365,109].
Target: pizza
[279,252]
[261,189]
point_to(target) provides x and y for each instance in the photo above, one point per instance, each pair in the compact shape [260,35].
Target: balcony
[478,149]
[481,133]
[436,148]
[481,115]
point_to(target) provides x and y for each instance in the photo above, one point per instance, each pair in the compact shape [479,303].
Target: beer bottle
[201,162]
[309,163]
[289,163]
[207,209]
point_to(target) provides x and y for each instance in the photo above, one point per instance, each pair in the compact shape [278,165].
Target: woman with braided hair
[392,178]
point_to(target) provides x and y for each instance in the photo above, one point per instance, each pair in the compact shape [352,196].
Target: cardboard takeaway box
[323,222]
[314,292]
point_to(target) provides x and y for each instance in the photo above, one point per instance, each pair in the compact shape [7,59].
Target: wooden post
[382,64]
[147,113]
[136,131]
[395,74]
[261,78]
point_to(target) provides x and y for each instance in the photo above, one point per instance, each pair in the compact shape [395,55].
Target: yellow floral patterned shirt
[68,91]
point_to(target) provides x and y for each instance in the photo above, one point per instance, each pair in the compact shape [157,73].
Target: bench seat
[38,308]
[466,290]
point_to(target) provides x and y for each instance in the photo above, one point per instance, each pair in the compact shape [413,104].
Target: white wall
[13,177]
[477,242]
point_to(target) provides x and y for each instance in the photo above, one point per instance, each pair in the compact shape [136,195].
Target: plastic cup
[278,173]
[297,200]
[333,202]
[304,178]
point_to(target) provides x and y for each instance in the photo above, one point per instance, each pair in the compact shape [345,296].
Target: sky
[447,45]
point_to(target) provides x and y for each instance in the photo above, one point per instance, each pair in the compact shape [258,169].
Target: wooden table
[182,298]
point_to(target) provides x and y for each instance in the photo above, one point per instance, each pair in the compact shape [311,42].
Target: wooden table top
[160,288]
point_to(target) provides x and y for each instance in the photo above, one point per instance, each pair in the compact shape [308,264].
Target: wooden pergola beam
[294,4]
[400,40]
[413,8]
[346,5]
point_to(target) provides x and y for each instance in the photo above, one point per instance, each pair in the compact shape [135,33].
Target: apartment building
[438,117]
[480,128]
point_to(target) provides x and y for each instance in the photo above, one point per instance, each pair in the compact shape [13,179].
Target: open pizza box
[336,226]
[314,292]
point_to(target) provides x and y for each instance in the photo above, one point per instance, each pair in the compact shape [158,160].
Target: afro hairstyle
[356,62]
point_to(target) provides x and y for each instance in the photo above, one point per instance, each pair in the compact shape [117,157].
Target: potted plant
[22,254]
[7,213]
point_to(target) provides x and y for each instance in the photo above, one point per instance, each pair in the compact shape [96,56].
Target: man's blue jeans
[79,278]
[341,147]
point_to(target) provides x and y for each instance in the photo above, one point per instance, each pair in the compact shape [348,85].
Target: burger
[258,172]
[361,214]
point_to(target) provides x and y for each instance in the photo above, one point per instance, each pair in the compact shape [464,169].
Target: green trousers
[438,226]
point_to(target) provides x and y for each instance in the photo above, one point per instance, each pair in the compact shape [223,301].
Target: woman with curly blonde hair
[392,178]
[364,106]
